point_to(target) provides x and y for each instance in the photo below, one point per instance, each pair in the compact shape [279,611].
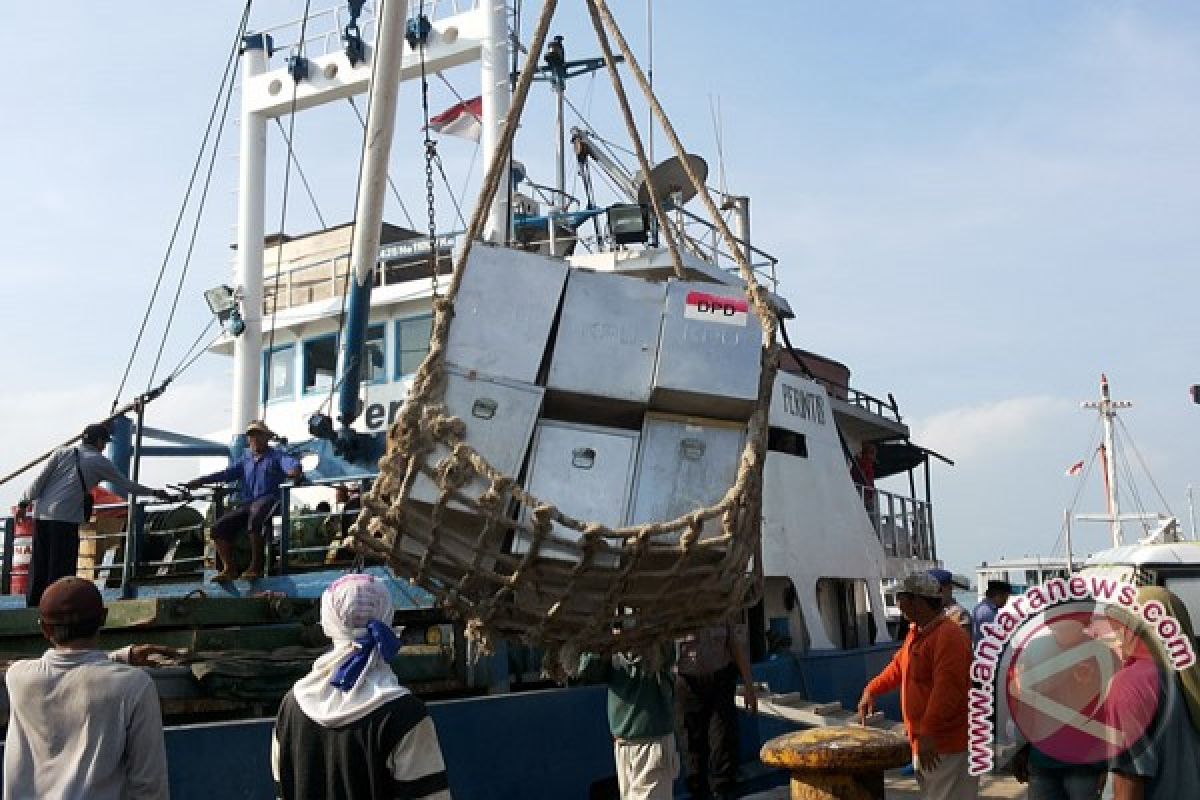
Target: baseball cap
[96,433]
[70,600]
[942,576]
[921,585]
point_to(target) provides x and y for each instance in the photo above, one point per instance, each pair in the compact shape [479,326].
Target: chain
[430,157]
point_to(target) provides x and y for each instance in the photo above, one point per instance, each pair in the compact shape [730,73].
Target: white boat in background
[1158,547]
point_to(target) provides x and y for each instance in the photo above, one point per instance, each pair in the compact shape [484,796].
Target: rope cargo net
[605,588]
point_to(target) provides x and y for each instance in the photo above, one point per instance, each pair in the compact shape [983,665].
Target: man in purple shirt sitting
[261,472]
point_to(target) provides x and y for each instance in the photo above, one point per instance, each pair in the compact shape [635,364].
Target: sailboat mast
[1107,408]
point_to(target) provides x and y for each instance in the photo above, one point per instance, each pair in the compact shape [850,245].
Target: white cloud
[991,429]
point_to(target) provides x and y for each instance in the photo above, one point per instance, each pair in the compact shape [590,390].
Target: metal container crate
[607,339]
[684,463]
[586,471]
[499,415]
[504,312]
[709,354]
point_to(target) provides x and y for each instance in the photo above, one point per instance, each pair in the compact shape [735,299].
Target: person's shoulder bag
[89,502]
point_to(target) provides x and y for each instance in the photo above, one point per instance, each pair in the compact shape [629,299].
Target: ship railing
[904,525]
[301,524]
[887,409]
[292,548]
[313,281]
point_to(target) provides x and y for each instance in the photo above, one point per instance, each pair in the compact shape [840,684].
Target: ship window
[374,362]
[781,440]
[1187,589]
[279,373]
[320,363]
[412,343]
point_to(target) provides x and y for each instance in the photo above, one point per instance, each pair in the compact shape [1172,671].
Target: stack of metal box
[649,388]
[619,400]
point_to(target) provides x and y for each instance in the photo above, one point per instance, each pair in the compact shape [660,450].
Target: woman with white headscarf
[348,729]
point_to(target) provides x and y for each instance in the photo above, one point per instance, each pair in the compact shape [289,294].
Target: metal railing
[903,524]
[313,281]
[104,548]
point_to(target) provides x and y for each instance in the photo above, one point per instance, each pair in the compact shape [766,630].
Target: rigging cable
[226,77]
[1145,469]
[187,260]
[287,175]
[303,178]
[187,354]
[391,183]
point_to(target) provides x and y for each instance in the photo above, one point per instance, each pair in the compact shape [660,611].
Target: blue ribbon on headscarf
[378,635]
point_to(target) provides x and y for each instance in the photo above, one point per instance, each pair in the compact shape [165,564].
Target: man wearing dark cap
[994,598]
[57,496]
[260,473]
[81,725]
[947,584]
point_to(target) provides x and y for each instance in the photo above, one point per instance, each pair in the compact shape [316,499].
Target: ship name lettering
[806,405]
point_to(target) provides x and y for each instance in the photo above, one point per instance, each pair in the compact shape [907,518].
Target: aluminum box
[586,471]
[500,416]
[709,353]
[607,339]
[684,464]
[504,312]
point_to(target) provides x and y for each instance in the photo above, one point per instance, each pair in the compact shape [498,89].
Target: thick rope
[565,590]
[756,292]
[644,164]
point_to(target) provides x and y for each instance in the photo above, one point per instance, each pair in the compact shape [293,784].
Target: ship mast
[1107,408]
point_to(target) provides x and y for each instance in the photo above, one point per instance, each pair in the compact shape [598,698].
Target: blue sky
[979,207]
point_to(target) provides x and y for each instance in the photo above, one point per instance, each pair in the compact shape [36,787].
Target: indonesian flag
[461,119]
[1074,469]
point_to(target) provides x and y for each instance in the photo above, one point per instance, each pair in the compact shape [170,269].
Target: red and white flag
[1074,469]
[463,119]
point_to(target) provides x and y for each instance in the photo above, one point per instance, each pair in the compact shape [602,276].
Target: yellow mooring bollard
[837,763]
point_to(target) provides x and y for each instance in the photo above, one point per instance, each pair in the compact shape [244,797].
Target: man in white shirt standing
[80,725]
[57,495]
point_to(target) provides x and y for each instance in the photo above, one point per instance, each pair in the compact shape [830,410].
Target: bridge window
[412,343]
[781,440]
[374,361]
[279,373]
[320,363]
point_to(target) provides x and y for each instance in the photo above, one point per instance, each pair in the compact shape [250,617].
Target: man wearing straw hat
[261,472]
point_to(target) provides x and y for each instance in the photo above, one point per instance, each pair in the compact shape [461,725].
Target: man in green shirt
[641,718]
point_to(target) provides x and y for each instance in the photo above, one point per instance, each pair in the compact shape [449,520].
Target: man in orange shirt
[932,670]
